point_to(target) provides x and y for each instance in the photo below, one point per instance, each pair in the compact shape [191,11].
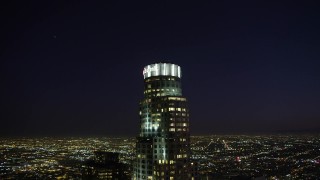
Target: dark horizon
[75,68]
[299,132]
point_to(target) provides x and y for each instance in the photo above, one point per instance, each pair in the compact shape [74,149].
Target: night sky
[75,68]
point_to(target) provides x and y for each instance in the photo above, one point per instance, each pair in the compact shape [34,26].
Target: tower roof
[162,69]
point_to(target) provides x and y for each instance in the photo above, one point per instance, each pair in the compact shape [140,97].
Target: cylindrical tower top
[161,69]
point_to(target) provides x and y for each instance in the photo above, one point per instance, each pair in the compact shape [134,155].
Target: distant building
[106,165]
[163,144]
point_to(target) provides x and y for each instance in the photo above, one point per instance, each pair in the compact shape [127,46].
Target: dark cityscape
[160,90]
[218,156]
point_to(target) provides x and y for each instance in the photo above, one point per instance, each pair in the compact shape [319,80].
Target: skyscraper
[163,144]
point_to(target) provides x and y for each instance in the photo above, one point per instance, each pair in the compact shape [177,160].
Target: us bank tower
[163,144]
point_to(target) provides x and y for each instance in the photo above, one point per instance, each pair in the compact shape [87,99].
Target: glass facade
[163,144]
